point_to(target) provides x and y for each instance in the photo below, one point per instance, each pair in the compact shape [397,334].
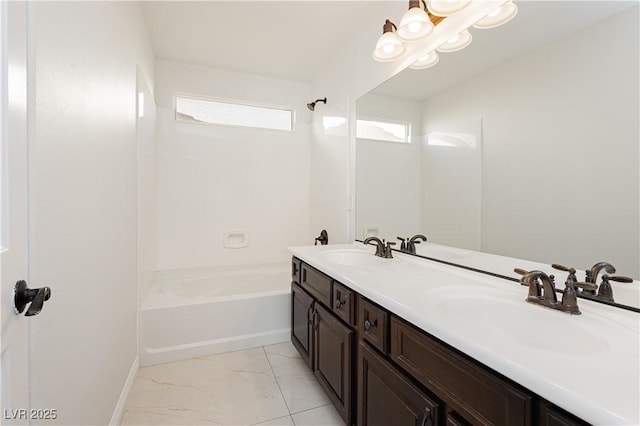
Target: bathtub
[188,314]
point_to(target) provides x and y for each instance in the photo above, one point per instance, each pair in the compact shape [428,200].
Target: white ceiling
[287,39]
[537,24]
[295,39]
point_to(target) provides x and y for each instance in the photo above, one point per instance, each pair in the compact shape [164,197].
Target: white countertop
[588,364]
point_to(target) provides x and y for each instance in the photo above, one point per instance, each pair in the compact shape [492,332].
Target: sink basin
[487,313]
[354,257]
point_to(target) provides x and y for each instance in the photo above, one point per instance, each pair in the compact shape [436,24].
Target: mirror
[525,144]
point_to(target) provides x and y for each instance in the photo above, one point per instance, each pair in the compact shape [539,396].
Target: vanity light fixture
[458,42]
[415,23]
[389,47]
[499,16]
[418,23]
[446,7]
[429,60]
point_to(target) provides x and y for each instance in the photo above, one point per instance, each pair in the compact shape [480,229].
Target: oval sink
[354,257]
[487,313]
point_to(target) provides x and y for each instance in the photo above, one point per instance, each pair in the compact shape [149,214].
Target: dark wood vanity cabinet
[379,370]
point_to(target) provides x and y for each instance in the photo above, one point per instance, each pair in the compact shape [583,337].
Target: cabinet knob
[338,303]
[368,324]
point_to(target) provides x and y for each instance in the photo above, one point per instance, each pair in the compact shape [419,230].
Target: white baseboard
[118,412]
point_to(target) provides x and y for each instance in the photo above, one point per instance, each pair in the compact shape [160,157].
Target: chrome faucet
[383,249]
[548,298]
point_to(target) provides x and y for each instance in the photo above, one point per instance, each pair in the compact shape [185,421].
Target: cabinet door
[385,398]
[333,348]
[301,323]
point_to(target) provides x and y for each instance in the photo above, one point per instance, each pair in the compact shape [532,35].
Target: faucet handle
[387,251]
[403,244]
[571,279]
[618,278]
[561,267]
[522,272]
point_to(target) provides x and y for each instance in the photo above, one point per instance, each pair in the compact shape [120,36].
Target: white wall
[388,173]
[147,185]
[83,203]
[560,166]
[217,178]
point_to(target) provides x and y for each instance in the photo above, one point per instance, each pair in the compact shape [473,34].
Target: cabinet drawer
[344,303]
[472,391]
[295,270]
[373,324]
[316,283]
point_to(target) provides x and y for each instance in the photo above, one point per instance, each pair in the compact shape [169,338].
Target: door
[14,337]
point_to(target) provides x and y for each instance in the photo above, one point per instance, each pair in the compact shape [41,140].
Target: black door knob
[22,295]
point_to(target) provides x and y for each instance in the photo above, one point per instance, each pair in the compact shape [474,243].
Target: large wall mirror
[524,144]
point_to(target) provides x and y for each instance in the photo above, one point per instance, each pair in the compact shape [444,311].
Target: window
[387,131]
[208,111]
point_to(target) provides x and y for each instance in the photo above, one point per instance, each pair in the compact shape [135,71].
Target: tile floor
[268,385]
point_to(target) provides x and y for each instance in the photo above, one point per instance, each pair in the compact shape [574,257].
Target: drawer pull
[426,420]
[339,303]
[368,324]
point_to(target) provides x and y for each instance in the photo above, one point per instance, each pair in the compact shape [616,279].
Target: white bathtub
[199,313]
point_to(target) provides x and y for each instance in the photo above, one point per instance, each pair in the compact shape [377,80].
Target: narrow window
[198,110]
[387,131]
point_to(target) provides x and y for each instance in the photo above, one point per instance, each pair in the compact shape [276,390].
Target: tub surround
[586,364]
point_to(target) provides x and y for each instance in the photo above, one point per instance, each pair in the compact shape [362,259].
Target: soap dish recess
[236,238]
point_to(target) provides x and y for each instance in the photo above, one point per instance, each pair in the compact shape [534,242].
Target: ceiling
[287,39]
[537,23]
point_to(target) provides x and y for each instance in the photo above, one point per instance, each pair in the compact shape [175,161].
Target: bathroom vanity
[406,341]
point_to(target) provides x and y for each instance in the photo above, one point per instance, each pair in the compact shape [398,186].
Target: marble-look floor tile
[299,387]
[282,421]
[236,388]
[321,416]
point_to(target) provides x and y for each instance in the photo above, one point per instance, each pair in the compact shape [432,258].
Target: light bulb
[389,47]
[458,42]
[429,60]
[446,7]
[497,17]
[414,27]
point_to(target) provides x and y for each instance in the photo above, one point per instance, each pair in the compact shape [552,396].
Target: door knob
[22,295]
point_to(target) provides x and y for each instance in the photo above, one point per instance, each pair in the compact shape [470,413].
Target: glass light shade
[414,25]
[456,43]
[500,16]
[429,60]
[388,48]
[446,7]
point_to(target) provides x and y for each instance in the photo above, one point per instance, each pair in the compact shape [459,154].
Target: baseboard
[118,412]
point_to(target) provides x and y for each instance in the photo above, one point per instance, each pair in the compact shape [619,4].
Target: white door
[14,339]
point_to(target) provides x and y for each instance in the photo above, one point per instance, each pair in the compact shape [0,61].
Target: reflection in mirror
[525,144]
